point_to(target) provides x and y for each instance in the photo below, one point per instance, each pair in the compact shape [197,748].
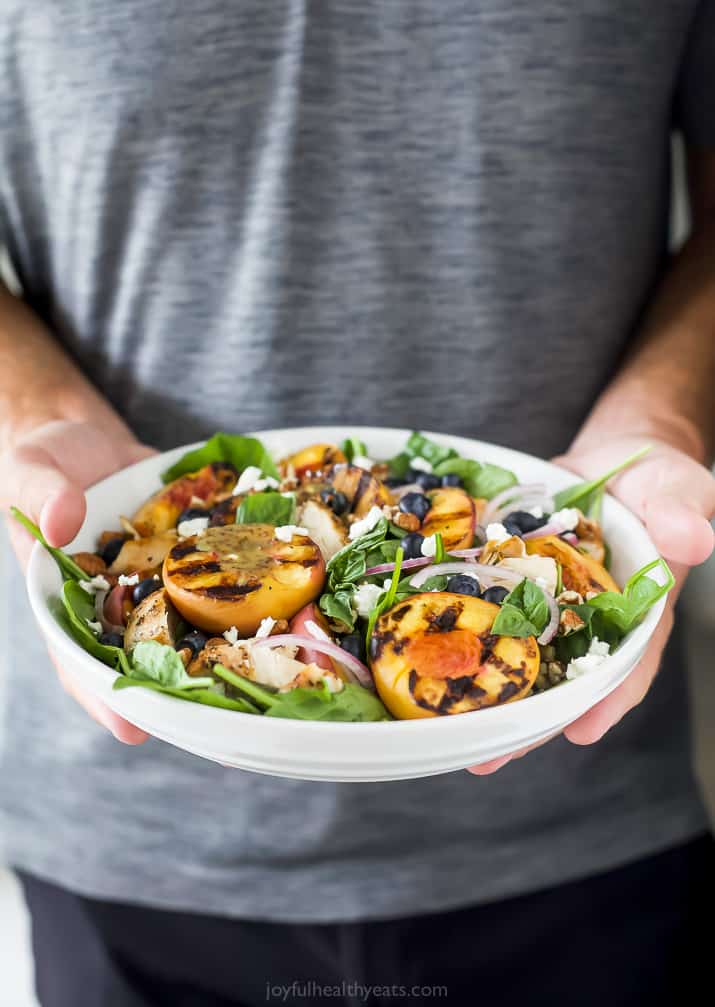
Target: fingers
[679,529]
[487,768]
[121,729]
[46,473]
[592,726]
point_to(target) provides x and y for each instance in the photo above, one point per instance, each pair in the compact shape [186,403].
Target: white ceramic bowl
[335,751]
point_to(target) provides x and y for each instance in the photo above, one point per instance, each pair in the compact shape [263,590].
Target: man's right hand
[45,474]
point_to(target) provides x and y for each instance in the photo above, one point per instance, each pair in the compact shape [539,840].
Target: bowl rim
[41,566]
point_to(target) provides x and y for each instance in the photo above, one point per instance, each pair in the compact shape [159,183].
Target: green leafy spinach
[240,451]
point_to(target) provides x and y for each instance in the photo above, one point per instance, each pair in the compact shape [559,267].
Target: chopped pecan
[409,522]
[570,621]
[90,562]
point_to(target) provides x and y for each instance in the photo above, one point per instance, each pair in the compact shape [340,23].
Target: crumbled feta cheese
[366,524]
[125,581]
[268,483]
[265,628]
[231,636]
[315,630]
[497,533]
[333,683]
[247,480]
[363,462]
[194,526]
[365,599]
[597,653]
[567,518]
[94,584]
[285,532]
[536,511]
[429,546]
[96,627]
[420,464]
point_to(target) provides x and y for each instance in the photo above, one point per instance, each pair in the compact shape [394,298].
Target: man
[443,216]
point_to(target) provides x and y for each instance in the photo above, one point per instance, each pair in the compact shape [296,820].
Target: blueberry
[524,521]
[144,588]
[451,479]
[512,527]
[110,550]
[112,639]
[495,595]
[462,583]
[195,641]
[354,643]
[190,513]
[411,545]
[415,503]
[424,479]
[336,500]
[393,482]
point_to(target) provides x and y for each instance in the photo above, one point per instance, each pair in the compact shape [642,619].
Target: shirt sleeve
[695,93]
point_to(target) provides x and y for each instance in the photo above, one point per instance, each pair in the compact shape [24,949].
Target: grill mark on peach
[228,590]
[181,550]
[194,569]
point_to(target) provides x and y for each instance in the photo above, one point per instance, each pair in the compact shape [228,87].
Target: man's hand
[674,496]
[45,474]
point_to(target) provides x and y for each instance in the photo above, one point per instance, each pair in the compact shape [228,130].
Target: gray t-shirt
[440,215]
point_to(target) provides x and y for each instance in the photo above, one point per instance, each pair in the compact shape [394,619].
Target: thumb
[678,526]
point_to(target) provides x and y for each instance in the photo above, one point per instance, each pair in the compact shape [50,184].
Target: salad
[331,586]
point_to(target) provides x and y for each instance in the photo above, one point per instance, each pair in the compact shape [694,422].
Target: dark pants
[633,936]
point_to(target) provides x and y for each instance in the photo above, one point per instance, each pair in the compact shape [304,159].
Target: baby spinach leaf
[619,613]
[350,563]
[207,697]
[492,479]
[419,446]
[161,663]
[68,568]
[266,508]
[386,600]
[524,611]
[437,582]
[352,703]
[352,447]
[78,610]
[240,451]
[584,494]
[481,479]
[338,606]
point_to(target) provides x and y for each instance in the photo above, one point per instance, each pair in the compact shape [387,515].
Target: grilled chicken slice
[145,554]
[275,667]
[154,618]
[324,527]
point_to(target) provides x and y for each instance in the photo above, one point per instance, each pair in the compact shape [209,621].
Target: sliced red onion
[465,553]
[551,528]
[107,626]
[408,564]
[361,672]
[515,492]
[549,631]
[408,488]
[485,573]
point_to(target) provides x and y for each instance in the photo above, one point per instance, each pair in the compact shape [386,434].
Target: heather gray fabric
[442,215]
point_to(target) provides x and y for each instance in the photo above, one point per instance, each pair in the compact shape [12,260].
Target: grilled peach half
[196,489]
[452,514]
[236,575]
[315,458]
[579,571]
[434,654]
[362,489]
